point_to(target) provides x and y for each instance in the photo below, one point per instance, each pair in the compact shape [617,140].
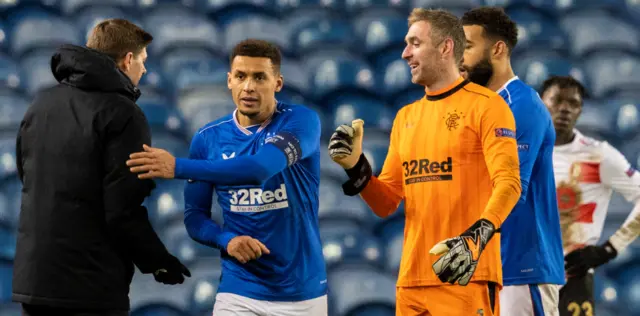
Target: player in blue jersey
[531,241]
[263,161]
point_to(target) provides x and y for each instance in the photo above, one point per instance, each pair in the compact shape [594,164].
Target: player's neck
[258,119]
[447,78]
[501,75]
[565,138]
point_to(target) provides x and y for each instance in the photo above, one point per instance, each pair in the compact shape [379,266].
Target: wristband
[359,177]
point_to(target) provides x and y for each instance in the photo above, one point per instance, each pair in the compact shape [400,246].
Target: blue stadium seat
[11,309]
[158,309]
[166,203]
[391,233]
[334,76]
[146,6]
[90,17]
[200,74]
[347,107]
[8,158]
[291,96]
[538,32]
[595,119]
[633,11]
[178,242]
[318,34]
[355,247]
[356,287]
[174,60]
[393,74]
[629,289]
[202,106]
[380,30]
[175,28]
[258,26]
[12,109]
[334,205]
[612,72]
[224,10]
[547,7]
[203,296]
[375,148]
[373,310]
[291,7]
[7,243]
[573,6]
[357,7]
[535,68]
[295,78]
[446,4]
[592,32]
[37,29]
[328,168]
[161,115]
[626,117]
[10,76]
[408,97]
[6,214]
[52,6]
[71,7]
[4,36]
[11,188]
[6,275]
[153,80]
[37,71]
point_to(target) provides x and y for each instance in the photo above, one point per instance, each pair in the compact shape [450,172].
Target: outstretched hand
[152,163]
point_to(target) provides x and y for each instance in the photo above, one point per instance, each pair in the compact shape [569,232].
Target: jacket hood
[88,69]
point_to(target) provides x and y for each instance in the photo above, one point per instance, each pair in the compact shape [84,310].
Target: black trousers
[40,310]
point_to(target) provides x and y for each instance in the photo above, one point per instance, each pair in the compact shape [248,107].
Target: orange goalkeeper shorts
[477,298]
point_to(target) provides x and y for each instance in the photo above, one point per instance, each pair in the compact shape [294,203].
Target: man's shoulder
[221,124]
[478,91]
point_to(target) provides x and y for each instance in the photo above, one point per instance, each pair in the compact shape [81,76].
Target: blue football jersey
[531,239]
[281,212]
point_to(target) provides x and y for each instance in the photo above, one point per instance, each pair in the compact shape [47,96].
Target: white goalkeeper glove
[460,254]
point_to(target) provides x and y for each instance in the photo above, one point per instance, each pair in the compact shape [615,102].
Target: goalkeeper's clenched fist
[460,254]
[345,148]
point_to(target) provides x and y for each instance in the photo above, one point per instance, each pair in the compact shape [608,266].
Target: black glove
[172,272]
[579,261]
[460,254]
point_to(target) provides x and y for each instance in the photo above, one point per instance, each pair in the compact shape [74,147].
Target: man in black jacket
[82,227]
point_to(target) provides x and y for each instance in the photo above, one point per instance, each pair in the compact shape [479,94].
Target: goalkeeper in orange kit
[453,158]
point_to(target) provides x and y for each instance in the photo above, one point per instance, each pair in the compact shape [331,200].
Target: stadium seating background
[342,58]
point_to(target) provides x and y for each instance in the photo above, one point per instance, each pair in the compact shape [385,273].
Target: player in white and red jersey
[587,171]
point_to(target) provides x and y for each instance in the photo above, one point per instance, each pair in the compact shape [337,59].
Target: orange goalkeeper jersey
[453,158]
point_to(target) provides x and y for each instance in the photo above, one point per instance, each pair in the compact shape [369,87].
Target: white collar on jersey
[245,130]
[504,86]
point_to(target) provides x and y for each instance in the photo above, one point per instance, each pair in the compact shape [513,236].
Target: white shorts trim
[530,300]
[228,304]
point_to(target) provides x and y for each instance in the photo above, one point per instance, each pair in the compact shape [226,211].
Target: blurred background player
[587,171]
[82,226]
[264,162]
[436,162]
[533,267]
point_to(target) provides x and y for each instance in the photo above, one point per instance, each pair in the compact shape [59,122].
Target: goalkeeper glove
[345,148]
[460,254]
[345,145]
[579,261]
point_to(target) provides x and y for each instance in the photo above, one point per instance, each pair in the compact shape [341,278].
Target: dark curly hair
[563,82]
[496,23]
[258,48]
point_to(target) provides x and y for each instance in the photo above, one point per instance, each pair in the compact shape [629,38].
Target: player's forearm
[254,169]
[204,230]
[505,195]
[380,197]
[629,231]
